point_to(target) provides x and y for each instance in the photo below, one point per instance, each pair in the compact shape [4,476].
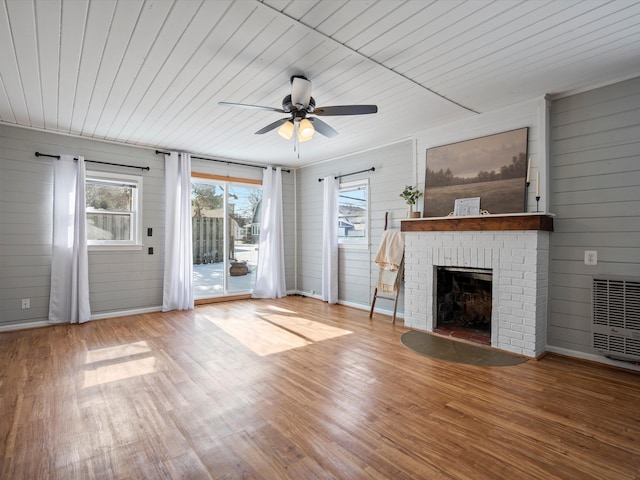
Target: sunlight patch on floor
[117,351]
[116,363]
[276,333]
[260,336]
[315,331]
[279,309]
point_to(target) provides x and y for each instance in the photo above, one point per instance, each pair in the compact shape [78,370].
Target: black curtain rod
[158,152]
[38,154]
[372,169]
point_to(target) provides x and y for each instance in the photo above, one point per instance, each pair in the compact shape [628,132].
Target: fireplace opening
[464,303]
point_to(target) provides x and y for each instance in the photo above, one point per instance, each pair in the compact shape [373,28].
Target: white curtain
[69,296]
[270,276]
[177,293]
[330,240]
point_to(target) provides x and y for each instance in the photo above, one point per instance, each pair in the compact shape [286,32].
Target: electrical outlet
[26,303]
[590,257]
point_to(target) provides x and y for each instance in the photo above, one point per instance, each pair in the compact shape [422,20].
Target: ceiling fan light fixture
[306,130]
[302,139]
[286,130]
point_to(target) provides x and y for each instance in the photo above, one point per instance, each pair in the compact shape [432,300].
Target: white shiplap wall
[595,183]
[357,270]
[120,281]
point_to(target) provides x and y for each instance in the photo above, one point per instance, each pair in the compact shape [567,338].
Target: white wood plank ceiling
[152,72]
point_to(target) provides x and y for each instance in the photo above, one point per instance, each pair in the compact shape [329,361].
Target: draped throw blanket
[177,293]
[389,259]
[330,240]
[69,295]
[391,250]
[270,273]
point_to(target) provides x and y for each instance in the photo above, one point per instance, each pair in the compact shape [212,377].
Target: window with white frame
[113,209]
[353,213]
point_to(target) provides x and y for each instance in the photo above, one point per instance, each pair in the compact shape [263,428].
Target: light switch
[590,257]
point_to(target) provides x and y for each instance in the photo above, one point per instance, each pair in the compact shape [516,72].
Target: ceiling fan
[299,105]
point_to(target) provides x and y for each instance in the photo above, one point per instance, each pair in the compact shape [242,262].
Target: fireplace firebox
[463,305]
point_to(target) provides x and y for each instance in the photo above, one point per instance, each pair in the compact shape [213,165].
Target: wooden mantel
[511,221]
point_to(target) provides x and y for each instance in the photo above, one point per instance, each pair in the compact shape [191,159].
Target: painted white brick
[504,281]
[519,261]
[512,274]
[515,336]
[473,257]
[518,298]
[488,236]
[510,288]
[528,314]
[527,241]
[512,349]
[524,268]
[503,297]
[517,328]
[529,297]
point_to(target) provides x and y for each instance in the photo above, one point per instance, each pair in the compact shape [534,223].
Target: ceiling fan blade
[346,110]
[253,107]
[300,92]
[272,126]
[323,128]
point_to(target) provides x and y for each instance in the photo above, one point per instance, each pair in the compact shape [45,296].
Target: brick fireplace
[514,247]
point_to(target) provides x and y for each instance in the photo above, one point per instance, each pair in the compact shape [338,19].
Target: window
[113,209]
[353,203]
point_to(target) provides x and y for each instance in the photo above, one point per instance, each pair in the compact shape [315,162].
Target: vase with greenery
[411,195]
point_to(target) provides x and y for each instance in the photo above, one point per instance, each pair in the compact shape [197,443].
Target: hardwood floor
[297,389]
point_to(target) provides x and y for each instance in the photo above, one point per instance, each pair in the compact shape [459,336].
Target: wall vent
[616,318]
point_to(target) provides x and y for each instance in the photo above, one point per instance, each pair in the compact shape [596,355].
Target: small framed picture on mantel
[465,207]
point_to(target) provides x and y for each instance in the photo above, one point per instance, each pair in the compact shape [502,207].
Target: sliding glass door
[225,231]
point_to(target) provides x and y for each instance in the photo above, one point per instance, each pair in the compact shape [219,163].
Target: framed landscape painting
[493,168]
